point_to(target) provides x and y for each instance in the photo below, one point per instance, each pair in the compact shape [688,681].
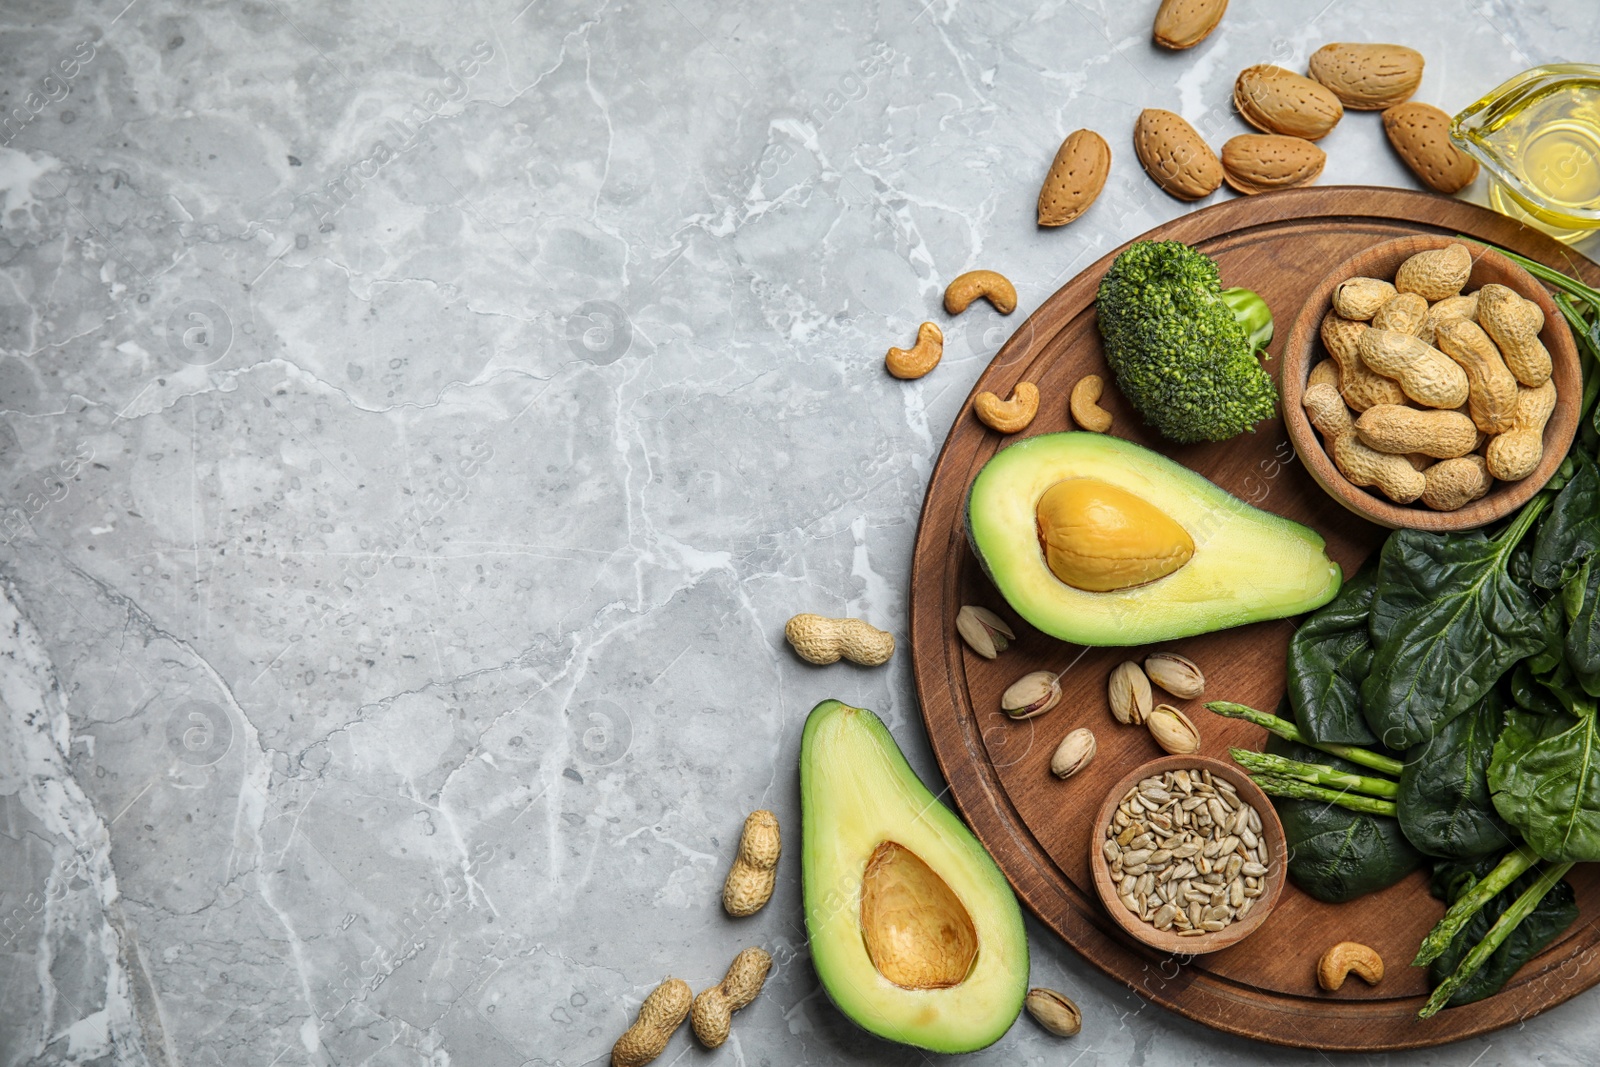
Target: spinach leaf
[1545,778]
[1557,911]
[1571,532]
[1579,597]
[1553,630]
[1336,854]
[1328,657]
[1444,804]
[1462,622]
[1533,691]
[1409,577]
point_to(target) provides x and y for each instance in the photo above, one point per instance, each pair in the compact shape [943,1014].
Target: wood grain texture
[1281,245]
[1303,348]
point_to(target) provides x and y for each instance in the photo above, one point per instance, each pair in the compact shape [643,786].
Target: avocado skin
[1250,565]
[843,751]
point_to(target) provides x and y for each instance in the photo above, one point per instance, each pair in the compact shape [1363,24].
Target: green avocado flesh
[1247,565]
[914,932]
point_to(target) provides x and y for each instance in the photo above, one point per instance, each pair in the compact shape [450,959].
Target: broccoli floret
[1183,348]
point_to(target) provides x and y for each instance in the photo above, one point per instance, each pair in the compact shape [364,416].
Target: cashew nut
[1008,416]
[1085,404]
[1345,957]
[918,360]
[991,285]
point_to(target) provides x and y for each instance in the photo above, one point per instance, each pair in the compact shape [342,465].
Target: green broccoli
[1182,347]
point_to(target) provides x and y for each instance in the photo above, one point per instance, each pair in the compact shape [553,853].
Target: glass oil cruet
[1538,136]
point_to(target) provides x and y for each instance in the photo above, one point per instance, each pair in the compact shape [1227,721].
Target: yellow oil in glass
[1538,135]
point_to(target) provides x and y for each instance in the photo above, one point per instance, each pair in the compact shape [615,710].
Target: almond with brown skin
[1275,100]
[1076,177]
[1420,134]
[1174,155]
[1368,77]
[1261,162]
[1183,24]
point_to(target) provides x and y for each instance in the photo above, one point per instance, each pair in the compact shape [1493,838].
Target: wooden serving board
[1037,826]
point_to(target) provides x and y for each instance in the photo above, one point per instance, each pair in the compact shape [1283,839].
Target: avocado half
[914,932]
[1246,564]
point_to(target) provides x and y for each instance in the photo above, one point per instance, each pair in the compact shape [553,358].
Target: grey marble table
[419,420]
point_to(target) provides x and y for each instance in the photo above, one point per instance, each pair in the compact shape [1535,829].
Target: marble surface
[417,422]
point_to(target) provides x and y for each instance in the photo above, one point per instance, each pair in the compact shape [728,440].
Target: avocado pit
[917,932]
[1099,537]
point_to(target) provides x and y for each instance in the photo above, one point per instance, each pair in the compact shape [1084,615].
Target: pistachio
[1130,694]
[1176,674]
[1055,1012]
[984,632]
[1032,694]
[1173,731]
[1073,754]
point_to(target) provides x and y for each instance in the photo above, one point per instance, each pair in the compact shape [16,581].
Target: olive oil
[1538,135]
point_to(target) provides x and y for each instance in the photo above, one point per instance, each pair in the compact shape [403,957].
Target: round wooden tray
[1279,245]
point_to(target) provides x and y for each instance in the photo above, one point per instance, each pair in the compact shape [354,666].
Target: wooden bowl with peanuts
[1430,383]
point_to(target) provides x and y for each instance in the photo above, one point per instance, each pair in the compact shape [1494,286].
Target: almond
[1261,162]
[1420,133]
[1275,100]
[1185,23]
[1368,77]
[1076,177]
[1174,155]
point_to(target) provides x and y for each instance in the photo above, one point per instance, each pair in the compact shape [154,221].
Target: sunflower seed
[1182,850]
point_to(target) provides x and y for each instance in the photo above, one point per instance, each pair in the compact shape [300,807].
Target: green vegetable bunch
[1465,670]
[1184,349]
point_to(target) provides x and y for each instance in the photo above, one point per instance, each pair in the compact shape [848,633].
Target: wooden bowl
[1271,831]
[1304,348]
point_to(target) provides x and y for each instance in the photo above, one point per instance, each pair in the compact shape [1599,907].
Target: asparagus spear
[1314,773]
[1294,789]
[1290,732]
[1492,940]
[1508,870]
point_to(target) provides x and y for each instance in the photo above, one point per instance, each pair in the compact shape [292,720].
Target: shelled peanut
[1428,373]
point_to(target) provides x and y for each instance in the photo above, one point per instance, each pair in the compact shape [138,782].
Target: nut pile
[1430,393]
[1132,700]
[1187,853]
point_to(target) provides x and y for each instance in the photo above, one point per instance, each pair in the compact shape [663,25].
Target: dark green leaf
[1532,693]
[1411,573]
[1570,532]
[1557,911]
[1444,804]
[1580,596]
[1545,778]
[1328,657]
[1462,623]
[1336,854]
